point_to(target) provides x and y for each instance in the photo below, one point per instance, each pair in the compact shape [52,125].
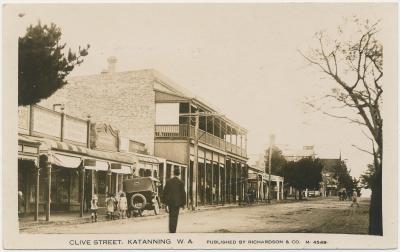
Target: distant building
[329,184]
[291,154]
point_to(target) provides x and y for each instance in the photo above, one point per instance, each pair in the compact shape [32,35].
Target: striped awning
[53,145]
[50,144]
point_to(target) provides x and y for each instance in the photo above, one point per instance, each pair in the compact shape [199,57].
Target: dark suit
[174,196]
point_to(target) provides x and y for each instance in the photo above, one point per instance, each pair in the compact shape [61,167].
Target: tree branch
[363,150]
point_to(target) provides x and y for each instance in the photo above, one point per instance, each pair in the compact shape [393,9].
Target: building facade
[64,160]
[330,181]
[148,107]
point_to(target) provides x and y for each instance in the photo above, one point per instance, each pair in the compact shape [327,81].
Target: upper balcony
[185,131]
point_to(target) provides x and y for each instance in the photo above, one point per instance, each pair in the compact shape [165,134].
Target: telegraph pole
[195,162]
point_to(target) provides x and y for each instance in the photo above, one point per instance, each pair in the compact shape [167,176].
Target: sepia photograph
[208,125]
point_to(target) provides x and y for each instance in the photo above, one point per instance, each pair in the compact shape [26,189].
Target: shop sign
[89,162]
[23,118]
[46,122]
[137,147]
[115,166]
[103,137]
[123,144]
[30,149]
[75,130]
[215,157]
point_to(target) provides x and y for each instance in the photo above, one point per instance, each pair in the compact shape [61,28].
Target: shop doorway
[88,190]
[64,189]
[26,187]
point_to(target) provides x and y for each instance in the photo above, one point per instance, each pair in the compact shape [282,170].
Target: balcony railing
[185,131]
[172,130]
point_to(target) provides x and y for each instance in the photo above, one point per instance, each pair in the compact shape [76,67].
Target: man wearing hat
[174,197]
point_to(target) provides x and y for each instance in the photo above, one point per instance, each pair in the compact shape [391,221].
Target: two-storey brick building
[150,108]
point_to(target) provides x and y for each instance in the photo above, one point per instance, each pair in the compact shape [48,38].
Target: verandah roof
[53,145]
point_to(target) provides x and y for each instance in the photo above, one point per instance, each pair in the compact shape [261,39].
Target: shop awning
[28,148]
[98,166]
[124,170]
[112,156]
[28,139]
[252,176]
[141,158]
[49,144]
[58,147]
[65,160]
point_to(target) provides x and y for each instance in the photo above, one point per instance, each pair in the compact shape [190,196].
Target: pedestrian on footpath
[174,196]
[110,206]
[94,207]
[123,205]
[21,204]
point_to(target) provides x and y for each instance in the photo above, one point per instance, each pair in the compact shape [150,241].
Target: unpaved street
[315,215]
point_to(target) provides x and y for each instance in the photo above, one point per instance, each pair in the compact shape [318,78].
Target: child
[110,206]
[94,207]
[123,205]
[116,214]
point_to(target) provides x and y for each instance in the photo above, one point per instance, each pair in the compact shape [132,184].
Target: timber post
[48,203]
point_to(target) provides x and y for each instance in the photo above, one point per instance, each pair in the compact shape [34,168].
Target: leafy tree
[42,65]
[277,161]
[304,174]
[353,60]
[368,177]
[343,174]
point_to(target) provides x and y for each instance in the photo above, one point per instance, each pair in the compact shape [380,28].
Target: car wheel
[156,208]
[138,201]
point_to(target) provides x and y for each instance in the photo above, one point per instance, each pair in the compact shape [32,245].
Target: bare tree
[354,62]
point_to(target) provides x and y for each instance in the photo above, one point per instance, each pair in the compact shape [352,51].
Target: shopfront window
[64,188]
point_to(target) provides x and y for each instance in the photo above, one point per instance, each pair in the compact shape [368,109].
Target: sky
[242,58]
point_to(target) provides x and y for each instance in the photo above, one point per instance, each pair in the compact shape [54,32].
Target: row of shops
[260,180]
[61,175]
[55,176]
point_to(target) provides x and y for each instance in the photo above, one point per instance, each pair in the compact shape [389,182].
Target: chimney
[112,61]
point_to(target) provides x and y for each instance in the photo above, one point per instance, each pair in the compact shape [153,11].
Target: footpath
[73,218]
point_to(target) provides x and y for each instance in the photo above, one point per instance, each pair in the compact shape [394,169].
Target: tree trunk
[295,194]
[300,194]
[375,208]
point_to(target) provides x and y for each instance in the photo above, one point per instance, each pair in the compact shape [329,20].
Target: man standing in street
[174,196]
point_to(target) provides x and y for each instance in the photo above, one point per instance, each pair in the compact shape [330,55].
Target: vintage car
[142,194]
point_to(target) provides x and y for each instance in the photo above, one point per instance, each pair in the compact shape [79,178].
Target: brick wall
[126,100]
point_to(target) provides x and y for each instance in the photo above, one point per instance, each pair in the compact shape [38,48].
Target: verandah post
[36,217]
[48,203]
[82,188]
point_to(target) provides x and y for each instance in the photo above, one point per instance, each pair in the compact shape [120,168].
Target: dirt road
[328,215]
